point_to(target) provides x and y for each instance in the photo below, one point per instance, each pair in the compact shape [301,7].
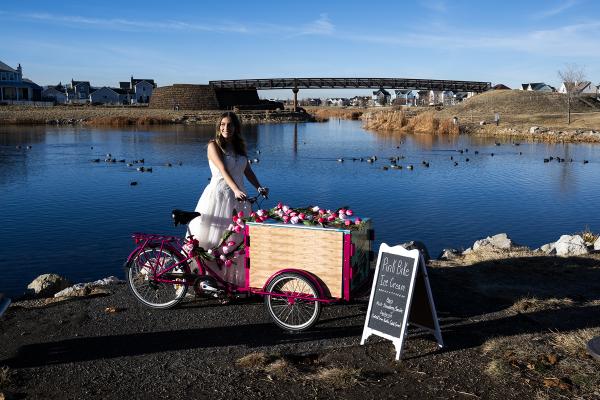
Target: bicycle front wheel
[293,304]
[141,271]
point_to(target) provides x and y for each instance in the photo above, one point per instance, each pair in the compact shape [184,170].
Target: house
[13,87]
[360,101]
[441,97]
[583,87]
[537,87]
[501,86]
[460,96]
[307,101]
[108,95]
[337,101]
[381,97]
[78,91]
[404,97]
[140,90]
[56,94]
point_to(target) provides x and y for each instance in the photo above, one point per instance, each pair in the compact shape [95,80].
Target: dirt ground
[514,325]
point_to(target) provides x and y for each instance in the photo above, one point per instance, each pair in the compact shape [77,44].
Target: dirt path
[79,348]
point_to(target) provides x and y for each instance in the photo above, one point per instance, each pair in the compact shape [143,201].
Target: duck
[396,166]
[546,160]
[426,164]
[257,151]
[141,169]
[168,164]
[133,183]
[455,163]
[28,147]
[466,159]
[585,161]
[451,157]
[492,154]
[476,152]
[340,160]
[129,164]
[385,168]
[96,160]
[149,169]
[409,167]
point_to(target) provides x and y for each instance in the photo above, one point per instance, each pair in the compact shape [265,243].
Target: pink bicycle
[297,268]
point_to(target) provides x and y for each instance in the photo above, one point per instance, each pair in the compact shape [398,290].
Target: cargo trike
[297,259]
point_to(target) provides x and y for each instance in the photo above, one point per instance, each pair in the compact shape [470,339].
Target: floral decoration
[229,250]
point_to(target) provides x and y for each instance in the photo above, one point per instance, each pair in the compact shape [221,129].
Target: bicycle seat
[183,217]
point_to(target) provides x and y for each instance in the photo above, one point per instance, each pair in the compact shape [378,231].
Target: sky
[105,42]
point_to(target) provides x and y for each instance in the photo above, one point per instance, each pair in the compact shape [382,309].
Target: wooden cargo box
[339,258]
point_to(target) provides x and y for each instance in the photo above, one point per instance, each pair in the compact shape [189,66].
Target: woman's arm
[214,155]
[254,180]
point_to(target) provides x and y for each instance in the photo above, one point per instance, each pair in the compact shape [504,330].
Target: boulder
[86,289]
[500,241]
[597,244]
[570,245]
[548,248]
[47,285]
[449,254]
[415,244]
[111,280]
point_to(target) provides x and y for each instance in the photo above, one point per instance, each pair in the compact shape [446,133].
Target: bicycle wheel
[296,308]
[140,277]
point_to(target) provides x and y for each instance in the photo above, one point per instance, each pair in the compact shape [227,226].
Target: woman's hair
[237,141]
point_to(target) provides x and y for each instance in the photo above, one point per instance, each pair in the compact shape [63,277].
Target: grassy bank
[123,116]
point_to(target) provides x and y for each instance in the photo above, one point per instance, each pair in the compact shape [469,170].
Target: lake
[62,213]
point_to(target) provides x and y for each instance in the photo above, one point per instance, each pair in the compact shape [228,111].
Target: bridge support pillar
[295,90]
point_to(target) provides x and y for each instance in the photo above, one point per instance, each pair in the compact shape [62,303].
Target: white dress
[216,205]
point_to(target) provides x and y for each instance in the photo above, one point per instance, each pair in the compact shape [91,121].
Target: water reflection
[85,211]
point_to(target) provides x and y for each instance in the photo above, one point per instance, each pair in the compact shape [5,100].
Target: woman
[228,162]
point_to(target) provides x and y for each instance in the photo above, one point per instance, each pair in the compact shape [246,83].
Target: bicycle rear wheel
[140,273]
[294,307]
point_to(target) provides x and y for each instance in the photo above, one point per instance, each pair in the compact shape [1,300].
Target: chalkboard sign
[400,278]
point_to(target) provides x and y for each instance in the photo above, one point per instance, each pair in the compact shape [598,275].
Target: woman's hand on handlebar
[240,195]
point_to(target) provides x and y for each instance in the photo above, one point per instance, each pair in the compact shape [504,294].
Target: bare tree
[571,76]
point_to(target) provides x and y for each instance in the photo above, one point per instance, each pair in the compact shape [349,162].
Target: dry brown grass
[557,361]
[325,113]
[252,360]
[532,304]
[5,376]
[337,377]
[588,236]
[281,368]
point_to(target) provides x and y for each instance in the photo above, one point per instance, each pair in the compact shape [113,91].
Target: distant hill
[519,102]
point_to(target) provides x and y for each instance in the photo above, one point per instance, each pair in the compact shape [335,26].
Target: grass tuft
[337,377]
[252,360]
[5,375]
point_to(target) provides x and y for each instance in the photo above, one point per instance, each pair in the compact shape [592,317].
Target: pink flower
[237,229]
[223,258]
[357,221]
[347,222]
[321,212]
[293,214]
[231,243]
[225,249]
[294,220]
[230,227]
[241,214]
[235,218]
[285,209]
[216,253]
[228,263]
[253,214]
[279,205]
[302,216]
[321,220]
[331,218]
[349,212]
[285,219]
[242,252]
[342,215]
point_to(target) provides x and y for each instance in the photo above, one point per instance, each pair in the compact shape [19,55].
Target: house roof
[135,81]
[578,86]
[382,91]
[501,86]
[402,91]
[125,85]
[538,85]
[31,83]
[6,68]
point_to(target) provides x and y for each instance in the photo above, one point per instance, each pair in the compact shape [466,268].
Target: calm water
[59,212]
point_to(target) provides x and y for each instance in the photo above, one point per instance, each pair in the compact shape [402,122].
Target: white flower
[260,213]
[223,258]
[294,220]
[225,249]
[209,251]
[315,208]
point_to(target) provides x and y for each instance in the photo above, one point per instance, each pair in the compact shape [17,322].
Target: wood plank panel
[319,251]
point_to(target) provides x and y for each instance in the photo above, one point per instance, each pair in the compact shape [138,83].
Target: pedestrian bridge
[352,83]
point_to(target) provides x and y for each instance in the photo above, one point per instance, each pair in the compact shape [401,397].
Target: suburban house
[57,94]
[381,97]
[307,101]
[584,87]
[13,87]
[337,101]
[537,87]
[441,97]
[78,91]
[460,96]
[404,97]
[140,90]
[108,95]
[500,86]
[360,101]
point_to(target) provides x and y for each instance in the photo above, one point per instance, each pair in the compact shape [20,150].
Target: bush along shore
[515,322]
[123,116]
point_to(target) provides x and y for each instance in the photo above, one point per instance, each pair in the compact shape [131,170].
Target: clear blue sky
[192,42]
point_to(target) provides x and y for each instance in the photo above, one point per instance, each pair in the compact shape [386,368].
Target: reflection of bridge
[350,83]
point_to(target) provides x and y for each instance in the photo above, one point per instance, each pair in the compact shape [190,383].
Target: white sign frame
[417,265]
